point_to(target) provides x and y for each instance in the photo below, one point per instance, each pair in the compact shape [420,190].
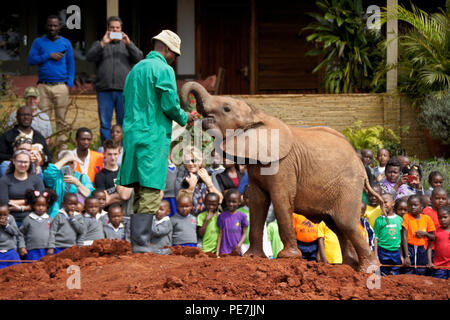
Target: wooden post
[253,48]
[392,49]
[112,8]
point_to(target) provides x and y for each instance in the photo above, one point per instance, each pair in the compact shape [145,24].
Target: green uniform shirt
[389,235]
[151,103]
[247,213]
[274,238]
[209,240]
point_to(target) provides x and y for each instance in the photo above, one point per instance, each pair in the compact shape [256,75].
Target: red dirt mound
[108,270]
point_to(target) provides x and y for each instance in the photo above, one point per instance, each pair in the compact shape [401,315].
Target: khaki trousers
[56,98]
[146,200]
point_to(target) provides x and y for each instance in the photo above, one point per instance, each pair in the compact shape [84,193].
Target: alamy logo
[374,17]
[73,20]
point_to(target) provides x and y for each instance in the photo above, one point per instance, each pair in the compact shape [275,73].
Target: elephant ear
[266,139]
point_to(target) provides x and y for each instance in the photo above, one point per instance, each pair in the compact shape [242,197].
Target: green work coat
[151,103]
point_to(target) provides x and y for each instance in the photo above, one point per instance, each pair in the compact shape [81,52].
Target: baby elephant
[313,171]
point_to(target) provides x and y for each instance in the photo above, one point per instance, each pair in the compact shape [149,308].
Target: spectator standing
[383,157]
[412,186]
[23,128]
[184,223]
[41,121]
[373,208]
[151,103]
[54,56]
[442,245]
[274,237]
[162,227]
[394,178]
[207,229]
[435,179]
[117,137]
[114,59]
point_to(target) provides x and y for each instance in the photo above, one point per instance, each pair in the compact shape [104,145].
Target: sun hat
[170,39]
[31,92]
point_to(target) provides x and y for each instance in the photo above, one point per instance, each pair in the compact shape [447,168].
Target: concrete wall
[335,111]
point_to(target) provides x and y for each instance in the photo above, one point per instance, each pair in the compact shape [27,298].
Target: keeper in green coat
[151,103]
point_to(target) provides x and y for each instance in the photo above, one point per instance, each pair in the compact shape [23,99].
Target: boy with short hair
[117,227]
[388,237]
[442,245]
[417,229]
[10,238]
[93,222]
[207,229]
[67,226]
[162,227]
[184,223]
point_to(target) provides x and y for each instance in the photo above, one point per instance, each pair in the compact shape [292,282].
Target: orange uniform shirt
[412,225]
[305,230]
[95,165]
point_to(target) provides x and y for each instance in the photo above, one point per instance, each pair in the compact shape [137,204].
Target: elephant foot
[255,252]
[290,253]
[369,265]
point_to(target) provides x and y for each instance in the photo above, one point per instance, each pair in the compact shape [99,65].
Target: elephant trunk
[201,96]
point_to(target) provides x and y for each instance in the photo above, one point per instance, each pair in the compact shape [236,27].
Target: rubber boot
[140,232]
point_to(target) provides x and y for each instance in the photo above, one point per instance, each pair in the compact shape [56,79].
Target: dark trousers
[418,257]
[389,257]
[308,249]
[108,101]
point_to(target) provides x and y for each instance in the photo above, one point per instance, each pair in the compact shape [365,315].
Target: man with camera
[114,56]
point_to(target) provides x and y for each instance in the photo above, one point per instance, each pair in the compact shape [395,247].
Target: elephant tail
[372,192]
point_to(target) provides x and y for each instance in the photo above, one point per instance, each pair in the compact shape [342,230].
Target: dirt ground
[109,271]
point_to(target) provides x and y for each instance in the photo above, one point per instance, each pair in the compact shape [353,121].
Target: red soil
[109,271]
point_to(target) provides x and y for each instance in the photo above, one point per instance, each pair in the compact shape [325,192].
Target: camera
[66,170]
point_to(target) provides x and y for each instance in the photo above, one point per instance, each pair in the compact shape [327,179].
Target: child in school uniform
[441,261]
[67,226]
[207,228]
[388,238]
[162,227]
[184,223]
[10,238]
[36,226]
[92,221]
[417,229]
[117,227]
[233,225]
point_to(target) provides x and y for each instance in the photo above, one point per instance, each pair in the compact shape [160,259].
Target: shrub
[435,116]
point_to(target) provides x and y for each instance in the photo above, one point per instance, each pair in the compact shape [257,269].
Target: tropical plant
[373,138]
[8,102]
[435,116]
[424,53]
[436,164]
[349,50]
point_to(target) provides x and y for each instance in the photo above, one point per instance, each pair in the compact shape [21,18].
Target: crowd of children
[410,236]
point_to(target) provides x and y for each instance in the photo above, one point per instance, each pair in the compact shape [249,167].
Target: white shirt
[83,165]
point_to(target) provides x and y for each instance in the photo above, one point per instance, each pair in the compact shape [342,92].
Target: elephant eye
[226,109]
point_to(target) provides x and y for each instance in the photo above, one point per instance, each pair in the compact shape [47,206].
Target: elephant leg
[349,255]
[351,235]
[259,206]
[283,213]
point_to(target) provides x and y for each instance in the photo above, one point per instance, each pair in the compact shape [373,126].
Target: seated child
[10,238]
[435,179]
[328,243]
[92,221]
[267,248]
[36,226]
[162,227]
[307,237]
[67,226]
[394,178]
[117,227]
[373,209]
[383,157]
[365,227]
[232,224]
[401,206]
[388,238]
[273,235]
[412,186]
[417,228]
[442,245]
[184,223]
[207,228]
